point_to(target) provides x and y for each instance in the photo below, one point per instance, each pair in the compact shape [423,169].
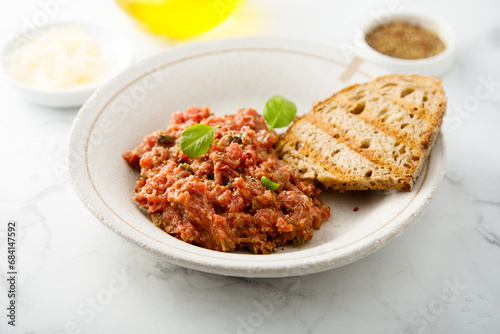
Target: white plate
[227,75]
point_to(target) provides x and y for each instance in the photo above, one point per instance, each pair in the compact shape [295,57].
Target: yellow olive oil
[179,18]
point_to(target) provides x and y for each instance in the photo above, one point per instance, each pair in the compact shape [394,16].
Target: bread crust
[369,136]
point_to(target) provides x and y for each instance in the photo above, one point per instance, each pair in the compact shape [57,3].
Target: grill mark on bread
[400,140]
[313,170]
[419,112]
[330,153]
[371,118]
[424,137]
[308,153]
[413,105]
[374,118]
[400,114]
[352,142]
[352,167]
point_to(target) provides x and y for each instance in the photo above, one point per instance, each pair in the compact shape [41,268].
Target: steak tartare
[217,201]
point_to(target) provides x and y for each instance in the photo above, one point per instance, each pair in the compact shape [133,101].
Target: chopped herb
[298,242]
[165,139]
[187,167]
[237,137]
[156,218]
[228,247]
[269,184]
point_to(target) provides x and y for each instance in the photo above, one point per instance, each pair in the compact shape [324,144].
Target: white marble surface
[441,276]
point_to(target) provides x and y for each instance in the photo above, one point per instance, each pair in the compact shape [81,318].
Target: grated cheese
[59,58]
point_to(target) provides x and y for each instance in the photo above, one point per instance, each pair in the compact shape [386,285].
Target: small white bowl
[110,40]
[435,65]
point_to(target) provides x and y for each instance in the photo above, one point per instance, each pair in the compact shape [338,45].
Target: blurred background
[330,22]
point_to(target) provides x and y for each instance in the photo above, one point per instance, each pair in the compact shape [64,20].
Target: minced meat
[217,201]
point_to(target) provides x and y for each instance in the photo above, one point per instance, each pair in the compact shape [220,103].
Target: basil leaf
[197,140]
[279,112]
[269,184]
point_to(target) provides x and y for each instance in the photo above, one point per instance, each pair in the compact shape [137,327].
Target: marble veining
[77,276]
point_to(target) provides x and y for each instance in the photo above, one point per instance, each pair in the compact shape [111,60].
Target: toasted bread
[370,136]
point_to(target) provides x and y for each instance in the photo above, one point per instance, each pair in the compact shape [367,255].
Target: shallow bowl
[227,75]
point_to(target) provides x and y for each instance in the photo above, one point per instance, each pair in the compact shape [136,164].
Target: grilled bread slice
[371,136]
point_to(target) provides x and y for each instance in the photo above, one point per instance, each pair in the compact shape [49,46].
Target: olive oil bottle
[179,18]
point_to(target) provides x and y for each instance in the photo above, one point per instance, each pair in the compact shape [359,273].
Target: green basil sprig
[197,140]
[269,184]
[279,112]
